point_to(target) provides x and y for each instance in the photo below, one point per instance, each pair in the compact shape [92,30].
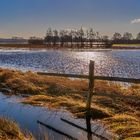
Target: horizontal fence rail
[117,79]
[64,75]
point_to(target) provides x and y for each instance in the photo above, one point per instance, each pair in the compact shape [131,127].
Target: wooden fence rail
[104,78]
[64,75]
[118,79]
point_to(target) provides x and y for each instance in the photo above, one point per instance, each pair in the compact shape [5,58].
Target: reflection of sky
[26,116]
[32,17]
[111,63]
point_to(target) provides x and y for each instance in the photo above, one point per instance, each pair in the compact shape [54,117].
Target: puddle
[26,116]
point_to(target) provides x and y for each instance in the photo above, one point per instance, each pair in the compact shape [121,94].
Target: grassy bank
[9,130]
[126,46]
[138,45]
[116,106]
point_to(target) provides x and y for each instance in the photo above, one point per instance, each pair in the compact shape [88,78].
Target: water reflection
[108,63]
[89,131]
[27,117]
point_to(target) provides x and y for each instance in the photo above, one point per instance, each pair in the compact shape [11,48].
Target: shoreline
[30,47]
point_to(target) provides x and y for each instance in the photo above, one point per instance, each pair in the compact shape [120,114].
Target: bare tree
[71,36]
[48,37]
[97,36]
[127,36]
[55,37]
[98,39]
[91,36]
[117,36]
[81,35]
[138,36]
[75,37]
[63,37]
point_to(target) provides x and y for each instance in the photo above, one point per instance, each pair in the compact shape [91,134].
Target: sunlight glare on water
[107,62]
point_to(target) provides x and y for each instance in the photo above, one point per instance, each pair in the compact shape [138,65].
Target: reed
[9,130]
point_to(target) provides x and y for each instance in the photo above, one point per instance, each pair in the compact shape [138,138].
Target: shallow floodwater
[27,116]
[123,63]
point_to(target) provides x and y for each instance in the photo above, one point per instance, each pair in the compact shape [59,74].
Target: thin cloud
[137,20]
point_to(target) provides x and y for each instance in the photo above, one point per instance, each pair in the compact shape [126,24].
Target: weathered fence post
[89,99]
[91,86]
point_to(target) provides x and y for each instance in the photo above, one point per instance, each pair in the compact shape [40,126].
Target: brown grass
[117,107]
[9,130]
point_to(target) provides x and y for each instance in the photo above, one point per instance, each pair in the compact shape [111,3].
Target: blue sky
[32,17]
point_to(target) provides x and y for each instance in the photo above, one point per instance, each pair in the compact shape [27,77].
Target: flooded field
[27,116]
[123,63]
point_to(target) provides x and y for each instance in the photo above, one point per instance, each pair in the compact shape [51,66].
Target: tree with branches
[49,36]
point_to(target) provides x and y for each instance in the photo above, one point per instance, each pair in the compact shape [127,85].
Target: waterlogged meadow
[115,105]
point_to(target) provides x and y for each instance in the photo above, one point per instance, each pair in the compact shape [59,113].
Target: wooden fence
[91,77]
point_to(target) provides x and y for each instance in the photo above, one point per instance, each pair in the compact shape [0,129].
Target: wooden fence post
[91,86]
[89,100]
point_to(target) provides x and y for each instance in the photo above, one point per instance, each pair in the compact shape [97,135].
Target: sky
[26,18]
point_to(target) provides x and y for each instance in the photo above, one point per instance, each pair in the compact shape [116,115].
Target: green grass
[116,106]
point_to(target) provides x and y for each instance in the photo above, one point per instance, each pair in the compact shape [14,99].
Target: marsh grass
[116,106]
[9,130]
[126,45]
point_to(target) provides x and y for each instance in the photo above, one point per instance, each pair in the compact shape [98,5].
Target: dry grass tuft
[9,130]
[125,125]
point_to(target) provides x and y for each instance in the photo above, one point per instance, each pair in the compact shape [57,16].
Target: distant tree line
[126,38]
[72,37]
[83,38]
